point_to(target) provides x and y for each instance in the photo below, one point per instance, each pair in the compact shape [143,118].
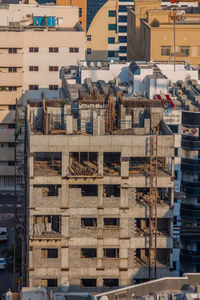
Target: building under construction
[101,186]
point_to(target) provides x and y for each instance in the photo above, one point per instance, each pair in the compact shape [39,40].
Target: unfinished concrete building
[94,182]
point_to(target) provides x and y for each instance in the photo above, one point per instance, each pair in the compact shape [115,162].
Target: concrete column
[172,196]
[124,226]
[124,168]
[124,197]
[31,195]
[65,164]
[65,257]
[31,173]
[172,166]
[64,194]
[99,252]
[65,226]
[100,194]
[100,163]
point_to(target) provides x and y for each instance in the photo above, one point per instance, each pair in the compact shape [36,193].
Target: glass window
[73,50]
[89,38]
[112,13]
[89,51]
[165,50]
[111,26]
[111,40]
[185,50]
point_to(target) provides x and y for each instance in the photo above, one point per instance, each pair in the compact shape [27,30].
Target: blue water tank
[44,21]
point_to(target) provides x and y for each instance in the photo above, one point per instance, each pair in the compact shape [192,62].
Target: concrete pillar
[124,168]
[100,194]
[31,171]
[64,194]
[100,163]
[99,252]
[124,226]
[171,197]
[65,164]
[124,197]
[31,195]
[64,257]
[65,226]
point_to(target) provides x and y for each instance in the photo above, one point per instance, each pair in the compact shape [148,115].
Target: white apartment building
[35,41]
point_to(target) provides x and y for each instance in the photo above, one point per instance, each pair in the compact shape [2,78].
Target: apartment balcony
[11,60]
[11,79]
[191,142]
[191,188]
[189,211]
[9,97]
[7,154]
[190,165]
[7,135]
[192,257]
[7,170]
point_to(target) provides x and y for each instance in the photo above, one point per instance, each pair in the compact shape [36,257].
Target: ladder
[153,195]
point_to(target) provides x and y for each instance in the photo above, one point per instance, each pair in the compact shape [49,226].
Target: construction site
[101,189]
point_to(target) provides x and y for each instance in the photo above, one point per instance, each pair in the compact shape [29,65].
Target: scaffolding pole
[153,196]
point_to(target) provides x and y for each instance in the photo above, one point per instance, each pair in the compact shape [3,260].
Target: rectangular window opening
[88,252]
[88,222]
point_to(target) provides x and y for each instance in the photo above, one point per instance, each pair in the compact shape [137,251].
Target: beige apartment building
[35,41]
[151,34]
[89,187]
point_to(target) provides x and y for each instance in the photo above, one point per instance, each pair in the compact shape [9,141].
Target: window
[111,40]
[53,68]
[89,37]
[90,282]
[176,152]
[33,87]
[12,50]
[89,51]
[111,53]
[33,68]
[11,126]
[111,222]
[80,12]
[49,190]
[53,87]
[165,50]
[185,50]
[111,282]
[53,50]
[88,252]
[175,175]
[11,145]
[52,282]
[111,252]
[88,222]
[33,49]
[111,190]
[12,69]
[11,163]
[87,190]
[112,13]
[11,107]
[73,50]
[111,26]
[12,88]
[49,253]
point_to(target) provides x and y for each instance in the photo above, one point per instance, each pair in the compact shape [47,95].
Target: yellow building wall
[185,36]
[140,11]
[82,4]
[99,32]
